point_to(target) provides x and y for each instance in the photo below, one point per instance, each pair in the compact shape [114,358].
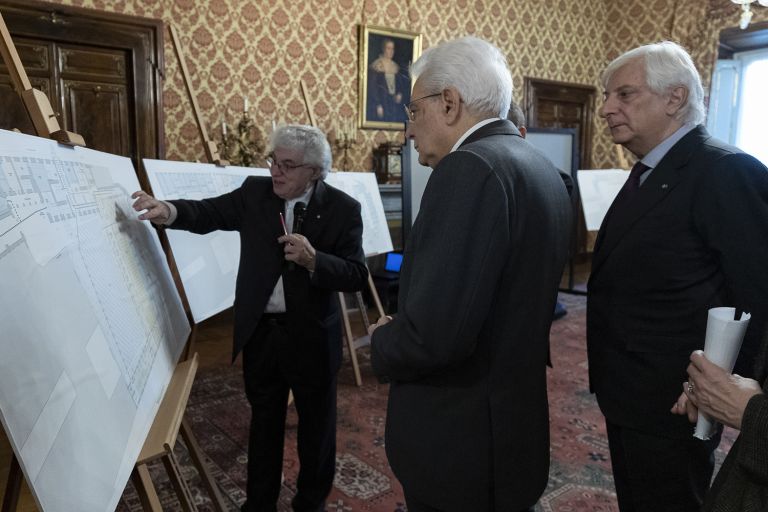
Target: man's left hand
[381,321]
[718,393]
[298,249]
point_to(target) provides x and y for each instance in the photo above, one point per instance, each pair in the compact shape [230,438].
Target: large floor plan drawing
[92,321]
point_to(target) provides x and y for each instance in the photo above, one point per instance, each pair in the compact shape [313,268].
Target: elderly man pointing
[287,320]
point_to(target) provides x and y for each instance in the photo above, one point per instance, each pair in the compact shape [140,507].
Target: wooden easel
[211,151]
[169,419]
[352,343]
[35,101]
[161,439]
[46,125]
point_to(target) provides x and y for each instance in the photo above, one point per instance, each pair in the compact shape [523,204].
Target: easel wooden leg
[205,474]
[179,485]
[350,339]
[375,296]
[13,486]
[145,489]
[363,312]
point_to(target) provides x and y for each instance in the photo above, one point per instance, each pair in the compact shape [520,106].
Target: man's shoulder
[256,186]
[258,182]
[715,154]
[338,197]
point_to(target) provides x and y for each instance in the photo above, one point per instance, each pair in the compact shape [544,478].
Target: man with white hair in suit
[686,233]
[467,421]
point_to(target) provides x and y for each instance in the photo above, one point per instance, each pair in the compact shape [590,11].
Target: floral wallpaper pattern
[260,49]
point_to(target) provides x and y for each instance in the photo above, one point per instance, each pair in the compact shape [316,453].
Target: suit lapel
[620,218]
[273,207]
[316,210]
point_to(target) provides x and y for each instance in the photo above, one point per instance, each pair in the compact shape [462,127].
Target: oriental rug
[580,477]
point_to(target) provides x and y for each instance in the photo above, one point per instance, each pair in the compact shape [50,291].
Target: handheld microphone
[299,211]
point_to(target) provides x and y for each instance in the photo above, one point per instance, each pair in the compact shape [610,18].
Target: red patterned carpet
[580,478]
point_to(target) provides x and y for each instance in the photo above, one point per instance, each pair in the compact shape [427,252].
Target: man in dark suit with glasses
[287,319]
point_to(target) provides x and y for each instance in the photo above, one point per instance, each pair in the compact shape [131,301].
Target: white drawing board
[208,263]
[92,322]
[598,189]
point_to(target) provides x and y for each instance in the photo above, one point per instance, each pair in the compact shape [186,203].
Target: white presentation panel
[208,263]
[363,187]
[417,176]
[92,324]
[556,146]
[598,188]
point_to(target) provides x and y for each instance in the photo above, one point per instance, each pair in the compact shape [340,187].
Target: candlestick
[245,104]
[345,139]
[224,129]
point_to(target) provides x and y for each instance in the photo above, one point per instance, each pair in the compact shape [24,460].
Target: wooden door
[101,72]
[550,104]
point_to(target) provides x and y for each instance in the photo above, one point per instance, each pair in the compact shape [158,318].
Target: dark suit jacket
[334,228]
[694,237]
[467,351]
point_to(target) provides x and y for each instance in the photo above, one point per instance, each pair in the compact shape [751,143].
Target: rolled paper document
[721,346]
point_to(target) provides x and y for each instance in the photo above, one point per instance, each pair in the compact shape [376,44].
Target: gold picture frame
[384,81]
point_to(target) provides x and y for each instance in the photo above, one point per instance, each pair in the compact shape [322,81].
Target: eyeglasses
[282,166]
[408,108]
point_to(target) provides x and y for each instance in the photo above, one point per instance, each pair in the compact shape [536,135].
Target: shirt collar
[655,155]
[473,130]
[304,198]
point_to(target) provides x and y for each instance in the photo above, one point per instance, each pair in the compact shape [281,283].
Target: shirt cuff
[172,216]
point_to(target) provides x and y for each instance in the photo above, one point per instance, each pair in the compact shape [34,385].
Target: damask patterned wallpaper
[260,49]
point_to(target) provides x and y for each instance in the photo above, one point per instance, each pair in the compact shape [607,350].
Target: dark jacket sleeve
[731,214]
[343,269]
[753,452]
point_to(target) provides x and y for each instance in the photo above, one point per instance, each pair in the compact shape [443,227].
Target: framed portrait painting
[385,84]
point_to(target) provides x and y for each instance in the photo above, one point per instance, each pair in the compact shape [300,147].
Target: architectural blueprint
[92,322]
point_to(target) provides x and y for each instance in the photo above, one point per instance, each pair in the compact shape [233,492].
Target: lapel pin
[664,185]
[318,216]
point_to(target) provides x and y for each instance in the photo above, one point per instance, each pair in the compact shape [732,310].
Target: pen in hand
[282,222]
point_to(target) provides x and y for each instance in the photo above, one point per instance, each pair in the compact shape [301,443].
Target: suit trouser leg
[658,474]
[267,392]
[415,505]
[316,440]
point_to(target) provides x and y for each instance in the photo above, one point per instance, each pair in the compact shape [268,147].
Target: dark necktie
[623,199]
[633,182]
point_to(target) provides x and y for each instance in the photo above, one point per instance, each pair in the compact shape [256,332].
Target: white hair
[476,68]
[317,151]
[667,65]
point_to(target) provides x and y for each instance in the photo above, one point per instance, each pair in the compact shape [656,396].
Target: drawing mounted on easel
[385,85]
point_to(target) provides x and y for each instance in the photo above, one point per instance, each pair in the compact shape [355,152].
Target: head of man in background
[517,117]
[446,105]
[649,93]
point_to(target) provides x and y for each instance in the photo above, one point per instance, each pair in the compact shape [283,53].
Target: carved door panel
[550,104]
[100,71]
[95,97]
